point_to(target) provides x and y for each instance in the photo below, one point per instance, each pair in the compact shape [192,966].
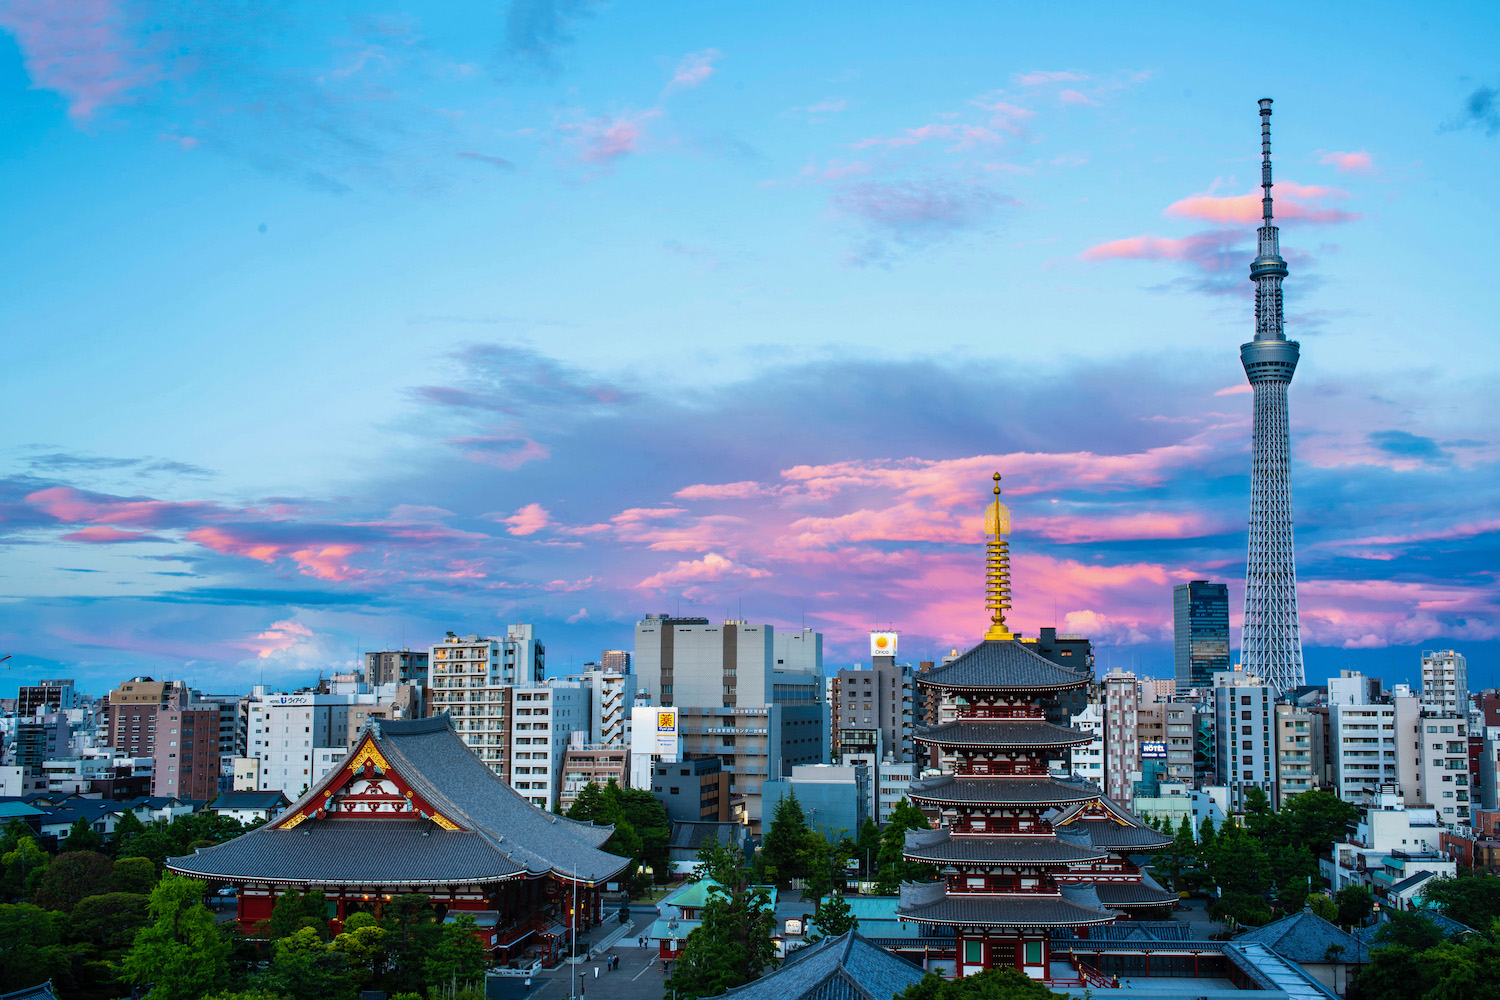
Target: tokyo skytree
[1271,643]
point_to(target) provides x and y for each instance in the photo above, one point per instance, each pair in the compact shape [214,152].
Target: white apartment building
[285,730]
[1445,681]
[1088,760]
[611,693]
[1363,746]
[471,678]
[545,718]
[1443,767]
[1387,826]
[1245,734]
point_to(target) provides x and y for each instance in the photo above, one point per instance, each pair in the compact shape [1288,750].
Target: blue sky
[336,326]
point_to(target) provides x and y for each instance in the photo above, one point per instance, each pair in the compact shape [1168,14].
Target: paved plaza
[639,977]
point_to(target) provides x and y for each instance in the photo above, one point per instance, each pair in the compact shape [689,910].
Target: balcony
[1000,712]
[1001,769]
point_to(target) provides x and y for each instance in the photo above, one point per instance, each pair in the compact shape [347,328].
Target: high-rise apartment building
[612,693]
[473,679]
[396,666]
[1445,681]
[617,660]
[286,730]
[1200,633]
[1443,767]
[1243,726]
[1300,742]
[878,702]
[169,722]
[46,696]
[1122,748]
[745,693]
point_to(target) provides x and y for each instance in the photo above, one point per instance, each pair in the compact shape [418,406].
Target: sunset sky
[334,327]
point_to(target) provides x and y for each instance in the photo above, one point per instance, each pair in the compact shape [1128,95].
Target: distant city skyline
[527,314]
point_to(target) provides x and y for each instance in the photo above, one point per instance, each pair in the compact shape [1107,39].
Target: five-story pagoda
[1022,851]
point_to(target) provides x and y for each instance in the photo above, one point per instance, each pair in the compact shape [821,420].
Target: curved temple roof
[1072,907]
[1002,734]
[499,834]
[938,847]
[1003,665]
[1001,791]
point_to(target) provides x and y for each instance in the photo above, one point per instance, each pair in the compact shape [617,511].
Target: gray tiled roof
[1024,791]
[1107,833]
[1005,665]
[929,903]
[354,852]
[516,836]
[1143,893]
[275,799]
[938,847]
[1001,733]
[42,992]
[1307,937]
[847,967]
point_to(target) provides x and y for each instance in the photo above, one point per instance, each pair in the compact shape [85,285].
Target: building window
[1033,953]
[973,952]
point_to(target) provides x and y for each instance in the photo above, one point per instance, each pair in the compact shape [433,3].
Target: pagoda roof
[1120,830]
[1003,665]
[1001,791]
[930,903]
[939,847]
[480,829]
[1146,892]
[1001,734]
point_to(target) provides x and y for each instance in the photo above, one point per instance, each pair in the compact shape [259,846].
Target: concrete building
[878,700]
[1122,750]
[545,719]
[46,696]
[396,666]
[1300,742]
[473,678]
[1442,766]
[584,764]
[692,791]
[1242,723]
[833,797]
[1387,827]
[1181,722]
[610,691]
[1351,687]
[744,693]
[1445,681]
[285,730]
[1088,760]
[1200,633]
[171,723]
[1364,747]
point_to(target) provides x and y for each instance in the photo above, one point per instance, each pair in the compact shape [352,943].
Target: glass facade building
[1200,632]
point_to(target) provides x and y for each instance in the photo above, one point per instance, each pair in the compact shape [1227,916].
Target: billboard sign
[666,730]
[1153,751]
[882,643]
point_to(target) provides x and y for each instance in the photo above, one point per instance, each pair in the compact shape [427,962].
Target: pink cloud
[80,50]
[1213,252]
[603,141]
[323,561]
[528,520]
[281,636]
[1076,97]
[1037,78]
[712,567]
[721,491]
[103,534]
[962,136]
[1239,389]
[1349,163]
[72,506]
[1292,202]
[694,69]
[502,451]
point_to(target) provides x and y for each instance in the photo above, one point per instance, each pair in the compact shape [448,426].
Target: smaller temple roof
[938,847]
[929,903]
[847,967]
[1146,892]
[1003,665]
[275,799]
[1001,734]
[1307,938]
[42,992]
[1123,832]
[1003,791]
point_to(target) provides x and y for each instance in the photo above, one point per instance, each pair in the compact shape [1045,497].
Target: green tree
[786,838]
[134,875]
[588,807]
[151,843]
[1180,858]
[648,817]
[245,995]
[303,967]
[1413,930]
[823,865]
[81,837]
[732,946]
[457,957]
[1473,898]
[412,930]
[71,877]
[1316,819]
[1208,837]
[110,921]
[25,865]
[991,984]
[724,863]
[181,955]
[1355,903]
[31,949]
[867,845]
[1324,907]
[1260,819]
[126,830]
[832,918]
[894,869]
[295,910]
[364,943]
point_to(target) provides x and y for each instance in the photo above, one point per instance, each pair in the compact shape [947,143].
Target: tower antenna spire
[1271,642]
[997,566]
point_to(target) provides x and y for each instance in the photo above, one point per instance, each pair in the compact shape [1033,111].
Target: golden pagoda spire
[997,566]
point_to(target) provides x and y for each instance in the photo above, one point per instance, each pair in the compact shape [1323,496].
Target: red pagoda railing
[1000,712]
[1001,769]
[1001,826]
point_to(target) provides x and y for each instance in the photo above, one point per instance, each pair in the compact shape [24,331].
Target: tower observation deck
[1271,643]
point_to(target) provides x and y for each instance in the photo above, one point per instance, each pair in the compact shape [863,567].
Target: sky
[333,327]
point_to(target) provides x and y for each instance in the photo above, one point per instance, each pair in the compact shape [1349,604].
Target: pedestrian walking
[528,984]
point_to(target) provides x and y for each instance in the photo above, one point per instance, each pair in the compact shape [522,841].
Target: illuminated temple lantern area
[413,810]
[1023,850]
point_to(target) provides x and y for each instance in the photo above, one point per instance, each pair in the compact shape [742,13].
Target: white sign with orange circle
[882,643]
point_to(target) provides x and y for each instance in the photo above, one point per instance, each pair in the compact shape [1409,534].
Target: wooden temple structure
[1023,849]
[413,810]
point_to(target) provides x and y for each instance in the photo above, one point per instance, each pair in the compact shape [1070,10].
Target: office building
[1200,633]
[396,666]
[615,660]
[46,696]
[1300,743]
[695,790]
[745,693]
[878,702]
[1243,725]
[1445,681]
[472,678]
[584,764]
[1122,750]
[834,797]
[287,729]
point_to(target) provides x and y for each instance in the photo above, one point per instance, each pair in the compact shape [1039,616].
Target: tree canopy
[730,947]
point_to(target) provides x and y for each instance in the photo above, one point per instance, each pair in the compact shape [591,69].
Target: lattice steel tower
[1271,644]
